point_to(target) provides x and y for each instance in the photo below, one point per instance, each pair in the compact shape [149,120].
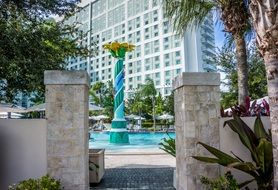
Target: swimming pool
[137,141]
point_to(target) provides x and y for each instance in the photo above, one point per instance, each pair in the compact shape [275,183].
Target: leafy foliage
[250,109]
[258,143]
[226,182]
[103,95]
[169,104]
[189,14]
[168,145]
[31,43]
[43,183]
[226,60]
[142,100]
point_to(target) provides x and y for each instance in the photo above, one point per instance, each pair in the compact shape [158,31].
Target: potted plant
[96,165]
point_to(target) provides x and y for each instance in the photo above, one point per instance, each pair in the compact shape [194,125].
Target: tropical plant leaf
[265,155]
[243,184]
[224,159]
[237,156]
[259,129]
[246,135]
[207,159]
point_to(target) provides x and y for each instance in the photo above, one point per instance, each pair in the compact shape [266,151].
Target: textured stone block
[196,119]
[67,128]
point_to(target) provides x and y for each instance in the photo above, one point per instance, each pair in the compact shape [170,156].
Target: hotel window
[166,43]
[167,63]
[167,73]
[137,22]
[146,18]
[178,61]
[166,27]
[177,41]
[146,4]
[156,46]
[157,82]
[155,16]
[147,48]
[156,62]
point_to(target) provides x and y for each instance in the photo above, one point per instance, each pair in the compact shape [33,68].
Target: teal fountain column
[118,132]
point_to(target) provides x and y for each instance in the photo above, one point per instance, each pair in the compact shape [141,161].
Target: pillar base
[119,137]
[119,134]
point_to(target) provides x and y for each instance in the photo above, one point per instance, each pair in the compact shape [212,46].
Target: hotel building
[160,54]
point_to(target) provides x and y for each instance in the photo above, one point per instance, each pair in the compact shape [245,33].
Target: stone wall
[67,127]
[197,112]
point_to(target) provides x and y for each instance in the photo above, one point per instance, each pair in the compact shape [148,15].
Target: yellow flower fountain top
[118,50]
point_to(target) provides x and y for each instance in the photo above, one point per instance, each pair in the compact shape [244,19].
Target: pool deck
[139,158]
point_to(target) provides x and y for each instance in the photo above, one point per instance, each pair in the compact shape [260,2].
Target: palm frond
[187,13]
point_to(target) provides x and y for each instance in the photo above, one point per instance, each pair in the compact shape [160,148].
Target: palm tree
[148,90]
[96,93]
[265,22]
[234,15]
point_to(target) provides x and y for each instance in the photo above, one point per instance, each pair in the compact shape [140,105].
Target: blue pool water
[137,141]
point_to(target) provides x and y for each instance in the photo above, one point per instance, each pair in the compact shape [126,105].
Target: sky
[219,41]
[219,36]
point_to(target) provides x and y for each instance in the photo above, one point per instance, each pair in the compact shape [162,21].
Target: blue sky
[219,35]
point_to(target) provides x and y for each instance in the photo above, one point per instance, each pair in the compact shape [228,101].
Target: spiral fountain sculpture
[118,132]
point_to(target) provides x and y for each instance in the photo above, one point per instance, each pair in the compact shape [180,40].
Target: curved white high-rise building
[160,54]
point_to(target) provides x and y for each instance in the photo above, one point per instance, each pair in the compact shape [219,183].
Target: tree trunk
[265,22]
[271,63]
[242,68]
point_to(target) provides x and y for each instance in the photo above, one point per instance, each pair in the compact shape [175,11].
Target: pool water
[137,141]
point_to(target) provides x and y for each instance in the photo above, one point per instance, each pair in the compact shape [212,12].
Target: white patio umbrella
[93,107]
[99,117]
[139,118]
[132,116]
[165,117]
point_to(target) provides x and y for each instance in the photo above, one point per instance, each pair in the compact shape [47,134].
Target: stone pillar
[197,112]
[67,115]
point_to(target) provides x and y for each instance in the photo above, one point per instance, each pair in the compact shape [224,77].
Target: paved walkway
[137,169]
[137,178]
[157,159]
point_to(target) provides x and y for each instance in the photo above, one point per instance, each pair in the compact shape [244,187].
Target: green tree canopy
[225,59]
[102,94]
[187,14]
[31,43]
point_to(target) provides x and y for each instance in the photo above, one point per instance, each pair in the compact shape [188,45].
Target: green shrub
[259,146]
[168,145]
[43,183]
[226,182]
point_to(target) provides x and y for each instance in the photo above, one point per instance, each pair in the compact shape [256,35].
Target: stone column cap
[196,79]
[54,77]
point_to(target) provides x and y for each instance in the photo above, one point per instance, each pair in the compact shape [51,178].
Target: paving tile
[136,178]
